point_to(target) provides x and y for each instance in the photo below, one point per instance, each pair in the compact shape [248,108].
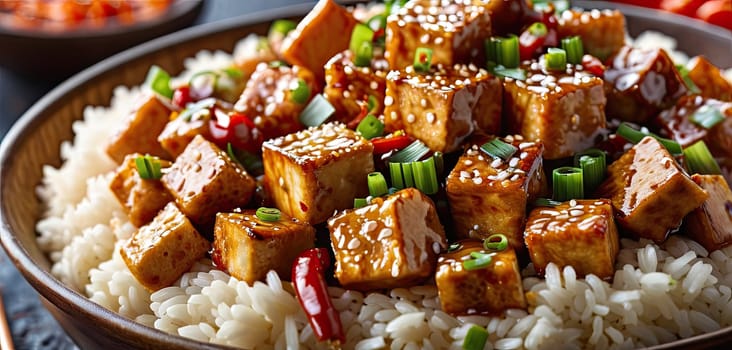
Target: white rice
[659,293]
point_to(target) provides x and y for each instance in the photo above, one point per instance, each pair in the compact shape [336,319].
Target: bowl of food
[132,243]
[30,31]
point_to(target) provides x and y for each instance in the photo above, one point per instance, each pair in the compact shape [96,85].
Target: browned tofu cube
[486,291]
[488,195]
[248,247]
[711,224]
[314,172]
[565,110]
[392,242]
[205,181]
[181,130]
[348,87]
[455,31]
[577,233]
[709,79]
[141,198]
[645,186]
[140,132]
[324,32]
[639,84]
[161,251]
[677,123]
[506,15]
[602,31]
[445,107]
[267,99]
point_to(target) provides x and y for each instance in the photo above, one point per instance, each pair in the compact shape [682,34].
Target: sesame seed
[388,101]
[430,117]
[348,70]
[572,203]
[496,163]
[477,180]
[513,162]
[410,118]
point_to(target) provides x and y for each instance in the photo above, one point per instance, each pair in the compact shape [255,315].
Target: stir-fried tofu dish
[471,165]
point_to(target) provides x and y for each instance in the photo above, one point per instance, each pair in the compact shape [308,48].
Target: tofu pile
[205,202]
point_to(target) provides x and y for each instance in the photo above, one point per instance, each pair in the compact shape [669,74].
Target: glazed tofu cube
[204,181]
[348,87]
[709,79]
[489,196]
[324,32]
[141,198]
[506,15]
[577,233]
[267,99]
[565,110]
[161,251]
[487,291]
[711,224]
[140,131]
[645,185]
[392,242]
[639,84]
[602,31]
[182,129]
[248,247]
[312,173]
[455,31]
[445,107]
[678,125]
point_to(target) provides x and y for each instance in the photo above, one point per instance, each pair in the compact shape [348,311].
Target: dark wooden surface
[31,325]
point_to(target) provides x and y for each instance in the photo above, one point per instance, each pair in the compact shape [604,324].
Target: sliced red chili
[531,40]
[308,277]
[386,144]
[353,124]
[593,65]
[182,96]
[240,131]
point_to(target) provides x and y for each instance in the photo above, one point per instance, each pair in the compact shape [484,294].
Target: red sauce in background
[67,15]
[718,12]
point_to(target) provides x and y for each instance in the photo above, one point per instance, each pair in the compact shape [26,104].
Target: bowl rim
[55,289]
[176,10]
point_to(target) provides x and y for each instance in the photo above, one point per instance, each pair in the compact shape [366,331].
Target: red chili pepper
[308,277]
[240,131]
[593,65]
[353,124]
[386,144]
[531,40]
[182,96]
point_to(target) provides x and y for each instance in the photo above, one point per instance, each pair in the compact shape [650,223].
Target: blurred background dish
[54,39]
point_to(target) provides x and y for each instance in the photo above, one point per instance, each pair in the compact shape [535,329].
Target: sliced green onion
[282,27]
[396,174]
[514,73]
[425,176]
[684,73]
[317,111]
[230,152]
[422,60]
[249,161]
[159,81]
[377,184]
[499,149]
[567,183]
[364,54]
[556,59]
[372,103]
[538,29]
[278,64]
[478,261]
[490,243]
[268,214]
[408,173]
[439,163]
[361,33]
[415,151]
[234,73]
[573,47]
[453,247]
[634,136]
[700,161]
[707,117]
[194,108]
[370,127]
[148,167]
[301,93]
[593,164]
[475,338]
[360,203]
[503,51]
[377,22]
[546,202]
